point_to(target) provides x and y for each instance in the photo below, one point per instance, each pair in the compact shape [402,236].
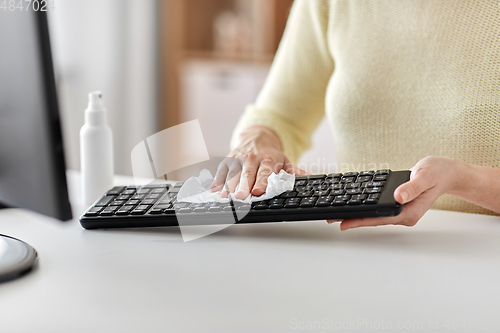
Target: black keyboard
[315,197]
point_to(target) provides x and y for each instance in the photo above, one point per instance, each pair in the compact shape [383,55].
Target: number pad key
[370,190]
[292,202]
[308,202]
[324,201]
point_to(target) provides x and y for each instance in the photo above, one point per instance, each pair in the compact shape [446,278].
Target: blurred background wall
[112,46]
[163,62]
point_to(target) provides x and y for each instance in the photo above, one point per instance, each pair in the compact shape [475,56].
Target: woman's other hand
[430,178]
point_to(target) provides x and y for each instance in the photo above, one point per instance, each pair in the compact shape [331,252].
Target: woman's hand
[430,178]
[257,155]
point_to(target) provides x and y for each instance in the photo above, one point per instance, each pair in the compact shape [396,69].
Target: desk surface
[441,275]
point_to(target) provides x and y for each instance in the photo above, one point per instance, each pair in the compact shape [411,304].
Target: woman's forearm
[479,185]
[260,136]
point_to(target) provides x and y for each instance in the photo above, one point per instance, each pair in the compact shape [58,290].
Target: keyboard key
[337,187]
[148,201]
[352,185]
[371,190]
[276,201]
[362,179]
[117,203]
[334,175]
[292,202]
[320,187]
[200,209]
[215,209]
[128,192]
[163,206]
[242,206]
[324,201]
[156,211]
[169,211]
[367,173]
[337,192]
[304,194]
[158,190]
[138,197]
[108,211]
[166,199]
[115,190]
[315,182]
[300,183]
[383,172]
[354,202]
[350,174]
[133,202]
[288,194]
[308,202]
[347,179]
[104,201]
[260,205]
[140,210]
[180,205]
[378,178]
[353,191]
[329,181]
[321,193]
[375,184]
[309,177]
[153,196]
[94,211]
[125,210]
[144,191]
[184,210]
[156,186]
[336,202]
[276,205]
[304,188]
[359,197]
[344,197]
[372,198]
[174,190]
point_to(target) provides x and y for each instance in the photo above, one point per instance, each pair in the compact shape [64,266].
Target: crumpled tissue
[197,189]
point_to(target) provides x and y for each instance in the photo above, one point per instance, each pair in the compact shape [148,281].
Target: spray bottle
[96,151]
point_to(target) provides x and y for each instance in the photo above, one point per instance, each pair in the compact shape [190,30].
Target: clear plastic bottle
[96,151]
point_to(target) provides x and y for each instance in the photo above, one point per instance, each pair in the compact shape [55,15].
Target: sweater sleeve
[292,101]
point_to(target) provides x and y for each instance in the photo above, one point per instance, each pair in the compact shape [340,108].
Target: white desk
[443,273]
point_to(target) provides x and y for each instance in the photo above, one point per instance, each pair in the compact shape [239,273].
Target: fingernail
[404,196]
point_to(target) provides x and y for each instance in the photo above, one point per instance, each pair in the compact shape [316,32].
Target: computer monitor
[32,168]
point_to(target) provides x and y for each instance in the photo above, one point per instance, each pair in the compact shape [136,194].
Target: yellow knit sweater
[397,79]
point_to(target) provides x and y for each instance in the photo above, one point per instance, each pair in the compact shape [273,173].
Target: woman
[399,80]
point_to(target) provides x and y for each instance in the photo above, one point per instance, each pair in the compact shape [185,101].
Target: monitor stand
[16,257]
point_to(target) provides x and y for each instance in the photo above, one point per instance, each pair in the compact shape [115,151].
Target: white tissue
[197,189]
